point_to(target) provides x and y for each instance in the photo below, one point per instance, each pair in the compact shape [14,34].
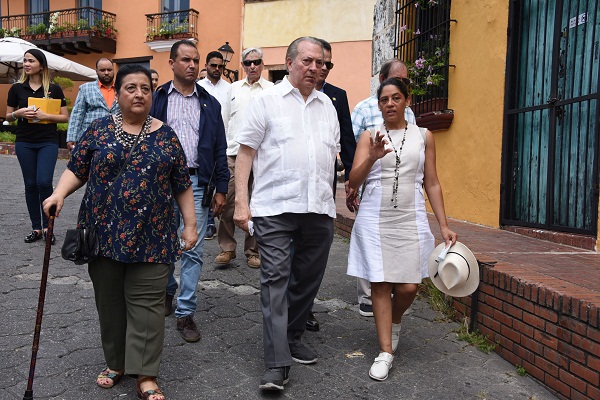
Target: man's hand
[241,216]
[218,204]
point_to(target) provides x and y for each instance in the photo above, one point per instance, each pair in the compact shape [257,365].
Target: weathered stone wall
[384,29]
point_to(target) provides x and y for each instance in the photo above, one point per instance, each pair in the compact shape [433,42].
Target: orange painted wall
[350,72]
[218,22]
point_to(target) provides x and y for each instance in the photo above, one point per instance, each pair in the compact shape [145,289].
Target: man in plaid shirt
[94,100]
[366,115]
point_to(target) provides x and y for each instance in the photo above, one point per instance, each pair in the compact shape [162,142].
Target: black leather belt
[192,171]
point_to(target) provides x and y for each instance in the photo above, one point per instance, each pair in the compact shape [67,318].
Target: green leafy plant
[521,370]
[83,24]
[39,29]
[438,300]
[105,28]
[2,32]
[474,338]
[7,137]
[424,71]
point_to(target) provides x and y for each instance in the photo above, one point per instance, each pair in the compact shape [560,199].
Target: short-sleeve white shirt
[296,143]
[235,107]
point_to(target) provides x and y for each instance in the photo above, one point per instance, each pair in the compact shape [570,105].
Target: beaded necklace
[129,139]
[398,152]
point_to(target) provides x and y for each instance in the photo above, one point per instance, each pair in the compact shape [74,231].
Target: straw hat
[456,273]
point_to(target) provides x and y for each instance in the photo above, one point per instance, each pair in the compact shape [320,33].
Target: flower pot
[436,121]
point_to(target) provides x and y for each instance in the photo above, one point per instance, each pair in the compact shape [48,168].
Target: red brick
[504,341]
[574,308]
[490,323]
[490,334]
[514,285]
[571,352]
[484,309]
[487,289]
[561,333]
[557,385]
[532,345]
[575,395]
[524,354]
[503,295]
[546,366]
[593,363]
[593,334]
[586,345]
[545,339]
[523,304]
[550,298]
[556,358]
[542,295]
[594,317]
[585,373]
[545,313]
[584,311]
[513,311]
[533,370]
[572,380]
[503,318]
[527,291]
[534,321]
[521,288]
[493,302]
[534,293]
[572,325]
[496,276]
[510,356]
[593,392]
[511,334]
[557,302]
[566,305]
[525,329]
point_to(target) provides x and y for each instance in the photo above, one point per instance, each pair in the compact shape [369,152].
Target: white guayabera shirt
[296,143]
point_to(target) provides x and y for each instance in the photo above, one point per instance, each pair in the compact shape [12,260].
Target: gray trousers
[289,283]
[363,289]
[130,299]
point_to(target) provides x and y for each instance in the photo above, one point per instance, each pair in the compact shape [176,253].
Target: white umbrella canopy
[11,61]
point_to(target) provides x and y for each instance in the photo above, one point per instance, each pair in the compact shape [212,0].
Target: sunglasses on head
[328,64]
[220,66]
[248,63]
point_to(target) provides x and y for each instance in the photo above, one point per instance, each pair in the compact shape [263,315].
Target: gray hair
[249,50]
[292,50]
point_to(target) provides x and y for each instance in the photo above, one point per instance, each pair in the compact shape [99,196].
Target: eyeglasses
[220,66]
[328,64]
[248,63]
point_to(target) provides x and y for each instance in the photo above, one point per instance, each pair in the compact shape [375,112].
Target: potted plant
[105,28]
[2,33]
[82,26]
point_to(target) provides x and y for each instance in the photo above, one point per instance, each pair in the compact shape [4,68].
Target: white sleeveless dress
[393,244]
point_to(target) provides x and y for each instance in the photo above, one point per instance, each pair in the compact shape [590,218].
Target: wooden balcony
[70,31]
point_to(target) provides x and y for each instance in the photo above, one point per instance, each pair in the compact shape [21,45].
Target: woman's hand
[378,149]
[449,236]
[53,200]
[189,237]
[28,113]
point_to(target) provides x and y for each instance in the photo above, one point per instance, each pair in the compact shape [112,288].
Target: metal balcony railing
[83,21]
[172,25]
[422,42]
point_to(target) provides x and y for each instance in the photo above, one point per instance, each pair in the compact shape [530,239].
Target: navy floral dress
[137,221]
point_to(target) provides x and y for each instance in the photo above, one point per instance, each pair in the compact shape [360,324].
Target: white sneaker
[382,365]
[395,336]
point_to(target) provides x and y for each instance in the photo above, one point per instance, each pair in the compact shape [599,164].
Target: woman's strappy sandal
[150,394]
[107,378]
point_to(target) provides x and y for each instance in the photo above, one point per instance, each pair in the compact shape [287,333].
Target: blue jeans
[37,162]
[191,260]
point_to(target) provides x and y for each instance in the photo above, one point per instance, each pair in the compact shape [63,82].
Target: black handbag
[81,245]
[209,190]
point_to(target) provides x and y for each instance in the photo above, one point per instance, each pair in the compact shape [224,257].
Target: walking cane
[40,310]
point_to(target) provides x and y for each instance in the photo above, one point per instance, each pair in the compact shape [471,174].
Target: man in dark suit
[348,143]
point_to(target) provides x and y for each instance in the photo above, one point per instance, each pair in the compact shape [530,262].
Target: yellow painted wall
[469,153]
[277,23]
[346,24]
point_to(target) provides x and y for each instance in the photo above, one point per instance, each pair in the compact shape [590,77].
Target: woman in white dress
[391,241]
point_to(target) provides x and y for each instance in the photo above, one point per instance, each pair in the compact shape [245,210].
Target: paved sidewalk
[227,363]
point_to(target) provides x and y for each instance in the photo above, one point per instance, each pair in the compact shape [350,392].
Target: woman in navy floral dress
[136,226]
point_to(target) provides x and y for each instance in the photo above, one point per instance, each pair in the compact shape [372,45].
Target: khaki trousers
[226,228]
[130,299]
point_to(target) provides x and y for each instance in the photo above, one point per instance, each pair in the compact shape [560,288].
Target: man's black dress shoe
[311,323]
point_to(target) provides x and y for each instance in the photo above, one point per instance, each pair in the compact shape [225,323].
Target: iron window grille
[422,41]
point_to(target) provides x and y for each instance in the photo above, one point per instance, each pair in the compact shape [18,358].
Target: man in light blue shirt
[366,115]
